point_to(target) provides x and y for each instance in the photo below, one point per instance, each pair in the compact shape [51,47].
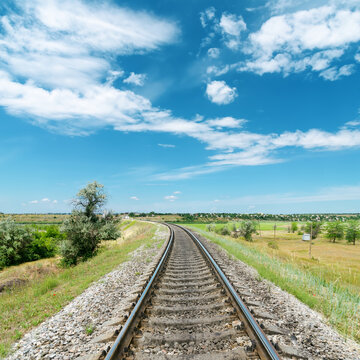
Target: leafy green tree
[334,230]
[294,226]
[90,200]
[85,228]
[353,231]
[313,227]
[247,229]
[15,243]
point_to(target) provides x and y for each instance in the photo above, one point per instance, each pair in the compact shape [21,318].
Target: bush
[225,231]
[83,238]
[15,243]
[109,229]
[46,242]
[43,247]
[247,229]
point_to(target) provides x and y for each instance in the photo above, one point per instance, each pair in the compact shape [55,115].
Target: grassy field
[36,218]
[328,282]
[49,288]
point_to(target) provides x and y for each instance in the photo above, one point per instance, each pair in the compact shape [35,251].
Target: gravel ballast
[70,334]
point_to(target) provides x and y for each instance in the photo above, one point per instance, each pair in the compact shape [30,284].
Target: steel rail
[266,344]
[119,344]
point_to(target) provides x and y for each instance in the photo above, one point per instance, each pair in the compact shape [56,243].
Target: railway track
[189,310]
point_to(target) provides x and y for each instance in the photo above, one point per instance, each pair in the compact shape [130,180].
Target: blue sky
[248,106]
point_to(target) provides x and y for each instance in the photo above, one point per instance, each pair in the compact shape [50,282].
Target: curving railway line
[189,310]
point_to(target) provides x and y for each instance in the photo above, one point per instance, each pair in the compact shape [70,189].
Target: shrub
[15,243]
[45,243]
[109,229]
[225,230]
[42,247]
[247,229]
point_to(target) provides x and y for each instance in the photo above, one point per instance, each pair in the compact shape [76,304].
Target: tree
[90,200]
[352,231]
[294,226]
[334,230]
[84,229]
[313,227]
[247,229]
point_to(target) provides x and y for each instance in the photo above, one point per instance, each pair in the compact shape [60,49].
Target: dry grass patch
[328,282]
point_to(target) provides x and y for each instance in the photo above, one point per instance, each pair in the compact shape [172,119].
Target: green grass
[128,224]
[26,307]
[264,225]
[339,305]
[89,329]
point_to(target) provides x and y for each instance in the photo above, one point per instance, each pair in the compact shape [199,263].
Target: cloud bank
[58,70]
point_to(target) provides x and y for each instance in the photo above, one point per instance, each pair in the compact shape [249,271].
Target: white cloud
[256,149]
[305,39]
[232,24]
[45,200]
[206,16]
[167,145]
[134,198]
[55,201]
[177,192]
[114,75]
[226,122]
[334,73]
[220,93]
[353,123]
[170,197]
[311,35]
[65,43]
[214,52]
[63,51]
[218,71]
[34,202]
[136,79]
[231,27]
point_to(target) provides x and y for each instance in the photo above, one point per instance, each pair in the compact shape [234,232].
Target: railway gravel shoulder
[64,335]
[304,330]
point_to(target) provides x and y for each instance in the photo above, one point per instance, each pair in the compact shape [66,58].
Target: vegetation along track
[189,310]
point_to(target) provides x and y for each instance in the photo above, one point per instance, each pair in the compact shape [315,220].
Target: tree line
[335,230]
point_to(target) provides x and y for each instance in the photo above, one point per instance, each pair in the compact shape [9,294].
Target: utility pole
[274,231]
[311,235]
